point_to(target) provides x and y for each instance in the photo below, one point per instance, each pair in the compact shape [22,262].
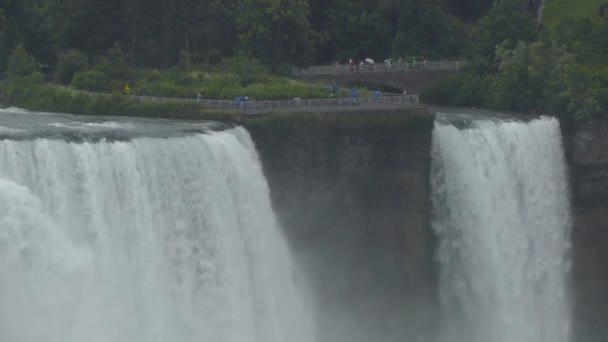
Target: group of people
[355,64]
[241,102]
[354,92]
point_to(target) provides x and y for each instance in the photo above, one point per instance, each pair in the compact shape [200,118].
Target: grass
[558,10]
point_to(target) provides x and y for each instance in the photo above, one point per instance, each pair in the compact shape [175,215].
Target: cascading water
[501,211]
[143,240]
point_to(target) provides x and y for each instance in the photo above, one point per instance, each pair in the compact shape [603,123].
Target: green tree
[68,63]
[21,63]
[423,29]
[508,19]
[276,32]
[358,29]
[468,10]
[3,45]
[526,75]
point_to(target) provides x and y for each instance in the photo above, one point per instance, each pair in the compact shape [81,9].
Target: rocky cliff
[587,147]
[352,192]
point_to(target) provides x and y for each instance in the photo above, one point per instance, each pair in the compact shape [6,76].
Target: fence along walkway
[377,68]
[294,106]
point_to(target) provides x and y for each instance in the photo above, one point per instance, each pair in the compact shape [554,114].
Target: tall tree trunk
[134,23]
[167,23]
[187,50]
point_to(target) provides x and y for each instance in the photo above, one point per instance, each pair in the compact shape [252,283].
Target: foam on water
[502,214]
[145,240]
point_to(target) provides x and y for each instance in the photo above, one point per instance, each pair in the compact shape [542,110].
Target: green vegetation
[31,93]
[557,11]
[279,33]
[221,49]
[215,49]
[278,128]
[515,65]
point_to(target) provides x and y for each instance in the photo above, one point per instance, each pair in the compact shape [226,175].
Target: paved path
[411,77]
[378,68]
[296,105]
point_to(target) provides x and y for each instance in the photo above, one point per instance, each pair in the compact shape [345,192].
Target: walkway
[294,106]
[378,68]
[414,78]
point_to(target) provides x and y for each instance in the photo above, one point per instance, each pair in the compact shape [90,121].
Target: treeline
[515,64]
[278,33]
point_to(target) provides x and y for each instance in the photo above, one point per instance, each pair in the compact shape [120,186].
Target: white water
[501,201]
[148,240]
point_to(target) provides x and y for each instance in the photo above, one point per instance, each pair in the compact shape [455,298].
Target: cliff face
[351,191]
[587,147]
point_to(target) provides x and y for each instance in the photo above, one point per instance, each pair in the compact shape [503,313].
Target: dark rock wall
[352,193]
[587,148]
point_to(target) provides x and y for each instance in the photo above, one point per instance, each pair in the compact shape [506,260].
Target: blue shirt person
[377,96]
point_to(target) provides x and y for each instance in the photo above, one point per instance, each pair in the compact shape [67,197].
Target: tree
[206,36]
[3,45]
[423,29]
[525,75]
[469,10]
[357,29]
[276,32]
[68,63]
[21,63]
[508,19]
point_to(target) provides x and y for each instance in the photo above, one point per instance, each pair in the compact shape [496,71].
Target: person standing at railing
[354,93]
[377,96]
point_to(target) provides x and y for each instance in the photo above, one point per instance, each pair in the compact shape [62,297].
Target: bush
[91,80]
[21,63]
[31,93]
[447,92]
[249,70]
[68,63]
[115,65]
[164,89]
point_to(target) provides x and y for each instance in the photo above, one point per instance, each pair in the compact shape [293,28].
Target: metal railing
[377,68]
[295,105]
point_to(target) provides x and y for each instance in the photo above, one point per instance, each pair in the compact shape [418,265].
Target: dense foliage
[165,33]
[33,93]
[227,48]
[515,64]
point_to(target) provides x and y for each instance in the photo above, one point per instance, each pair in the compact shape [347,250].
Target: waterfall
[144,240]
[501,212]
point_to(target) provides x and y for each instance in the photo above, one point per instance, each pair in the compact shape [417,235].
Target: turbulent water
[142,240]
[501,210]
